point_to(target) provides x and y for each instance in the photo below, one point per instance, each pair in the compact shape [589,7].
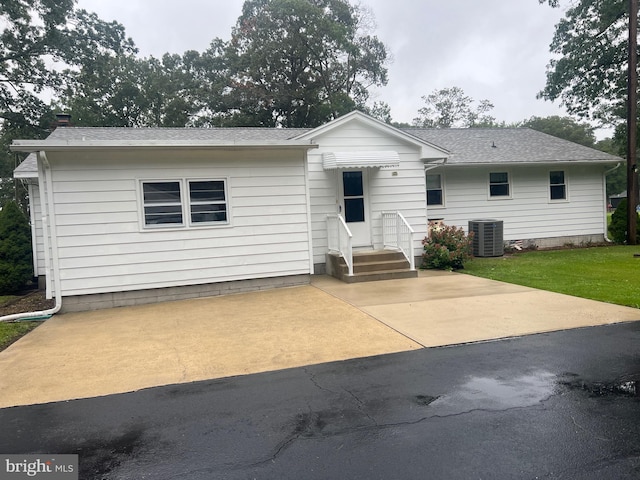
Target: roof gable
[428,149]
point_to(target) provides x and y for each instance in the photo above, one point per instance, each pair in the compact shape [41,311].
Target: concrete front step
[380,275]
[370,266]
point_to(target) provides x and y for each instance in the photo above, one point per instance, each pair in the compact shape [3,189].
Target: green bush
[618,225]
[447,248]
[16,264]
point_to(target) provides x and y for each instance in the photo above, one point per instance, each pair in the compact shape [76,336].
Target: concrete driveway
[88,354]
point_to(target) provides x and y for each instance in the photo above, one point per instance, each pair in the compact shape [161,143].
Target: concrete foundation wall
[81,303]
[552,242]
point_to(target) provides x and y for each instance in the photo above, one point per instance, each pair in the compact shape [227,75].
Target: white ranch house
[122,216]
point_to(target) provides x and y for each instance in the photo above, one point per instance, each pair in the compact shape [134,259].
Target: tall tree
[39,38]
[589,75]
[300,63]
[451,107]
[563,127]
[127,91]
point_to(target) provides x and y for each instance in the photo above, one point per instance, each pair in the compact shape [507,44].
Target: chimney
[62,120]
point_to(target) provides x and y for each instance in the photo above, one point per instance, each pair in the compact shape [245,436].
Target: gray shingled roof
[468,146]
[507,145]
[174,134]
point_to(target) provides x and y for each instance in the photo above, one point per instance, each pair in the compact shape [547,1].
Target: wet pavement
[554,405]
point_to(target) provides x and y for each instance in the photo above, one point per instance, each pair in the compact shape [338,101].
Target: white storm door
[354,205]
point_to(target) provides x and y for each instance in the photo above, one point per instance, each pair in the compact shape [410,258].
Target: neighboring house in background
[122,216]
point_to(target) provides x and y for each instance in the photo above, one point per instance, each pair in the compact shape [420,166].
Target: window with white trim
[557,185]
[162,203]
[166,203]
[499,185]
[435,190]
[207,201]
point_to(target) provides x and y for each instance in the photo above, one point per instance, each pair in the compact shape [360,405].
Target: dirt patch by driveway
[33,301]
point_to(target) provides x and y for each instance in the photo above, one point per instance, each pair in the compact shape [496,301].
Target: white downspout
[606,201]
[49,234]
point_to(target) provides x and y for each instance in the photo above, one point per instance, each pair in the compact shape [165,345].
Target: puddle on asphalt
[503,392]
[499,393]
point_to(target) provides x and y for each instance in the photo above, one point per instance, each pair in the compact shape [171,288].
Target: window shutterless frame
[558,186]
[500,185]
[162,203]
[208,201]
[182,203]
[435,189]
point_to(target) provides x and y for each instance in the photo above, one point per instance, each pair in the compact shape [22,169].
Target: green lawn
[608,274]
[12,331]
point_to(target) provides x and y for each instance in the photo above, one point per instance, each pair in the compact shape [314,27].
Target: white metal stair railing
[340,239]
[397,233]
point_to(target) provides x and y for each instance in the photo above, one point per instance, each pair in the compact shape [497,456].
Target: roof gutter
[537,163]
[31,146]
[50,245]
[438,163]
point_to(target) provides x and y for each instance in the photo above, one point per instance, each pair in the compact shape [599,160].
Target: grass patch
[607,274]
[6,299]
[12,331]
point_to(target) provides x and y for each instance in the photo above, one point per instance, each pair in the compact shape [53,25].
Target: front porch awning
[378,159]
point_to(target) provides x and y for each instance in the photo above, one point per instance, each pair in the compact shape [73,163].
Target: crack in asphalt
[286,443]
[361,406]
[312,377]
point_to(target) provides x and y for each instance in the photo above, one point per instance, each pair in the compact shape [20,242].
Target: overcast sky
[493,49]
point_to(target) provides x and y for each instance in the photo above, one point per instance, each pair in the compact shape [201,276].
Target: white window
[435,191]
[207,201]
[162,203]
[557,185]
[166,203]
[499,186]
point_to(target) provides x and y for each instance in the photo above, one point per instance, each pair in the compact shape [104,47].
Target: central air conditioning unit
[487,238]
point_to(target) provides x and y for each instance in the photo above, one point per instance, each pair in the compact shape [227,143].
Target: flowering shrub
[447,248]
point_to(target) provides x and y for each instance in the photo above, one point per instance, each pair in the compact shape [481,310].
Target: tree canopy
[38,37]
[292,63]
[300,63]
[451,107]
[588,72]
[563,127]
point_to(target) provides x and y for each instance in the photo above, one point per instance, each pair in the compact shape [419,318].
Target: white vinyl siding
[529,214]
[103,249]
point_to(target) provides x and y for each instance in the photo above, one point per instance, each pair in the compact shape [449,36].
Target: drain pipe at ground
[48,225]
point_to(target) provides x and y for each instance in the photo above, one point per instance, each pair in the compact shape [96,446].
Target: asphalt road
[557,405]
